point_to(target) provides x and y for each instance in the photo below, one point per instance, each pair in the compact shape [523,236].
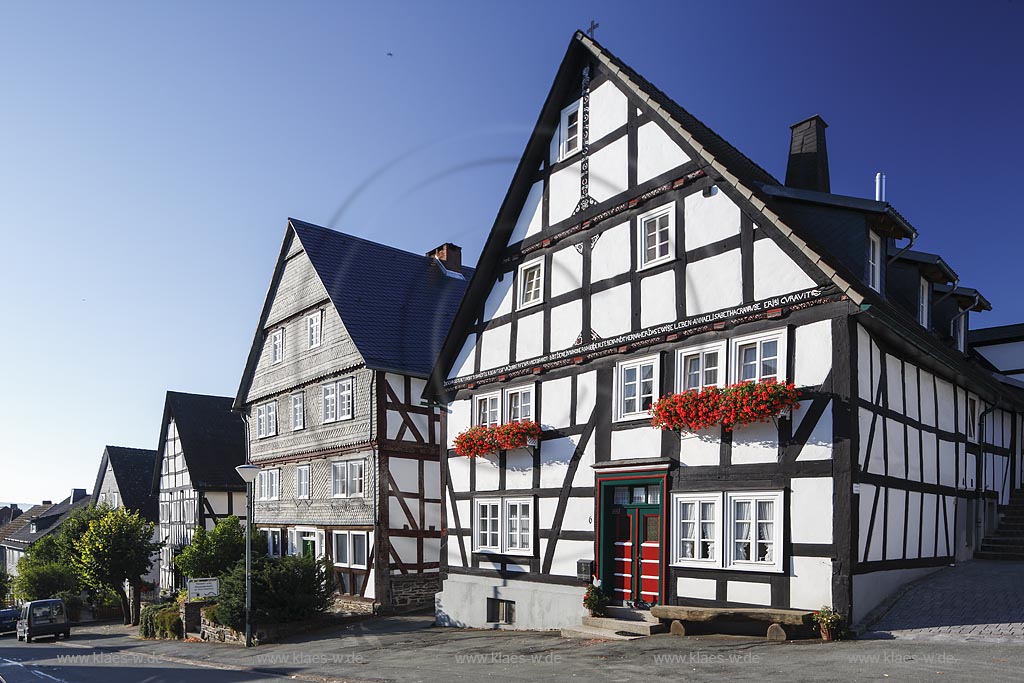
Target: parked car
[9,620]
[43,618]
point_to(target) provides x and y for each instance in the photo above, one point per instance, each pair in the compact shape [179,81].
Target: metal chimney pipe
[879,187]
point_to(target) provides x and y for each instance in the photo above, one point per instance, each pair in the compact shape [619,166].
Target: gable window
[488,410]
[298,412]
[874,262]
[531,283]
[924,302]
[330,401]
[268,484]
[347,478]
[760,357]
[519,404]
[698,528]
[701,366]
[313,328]
[636,387]
[657,236]
[266,419]
[754,530]
[503,525]
[302,481]
[569,131]
[277,346]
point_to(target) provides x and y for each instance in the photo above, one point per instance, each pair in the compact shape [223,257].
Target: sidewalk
[406,649]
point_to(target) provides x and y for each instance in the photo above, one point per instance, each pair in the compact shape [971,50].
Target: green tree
[290,588]
[212,553]
[39,579]
[114,550]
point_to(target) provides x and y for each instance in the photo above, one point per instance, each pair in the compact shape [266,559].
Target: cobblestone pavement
[977,600]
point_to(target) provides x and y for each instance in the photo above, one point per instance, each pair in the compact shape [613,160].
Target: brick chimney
[808,156]
[47,502]
[450,256]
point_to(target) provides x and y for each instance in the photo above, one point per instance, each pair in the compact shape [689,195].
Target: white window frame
[353,472]
[494,396]
[277,346]
[346,398]
[488,547]
[518,393]
[517,548]
[334,548]
[780,336]
[924,302]
[271,534]
[701,352]
[874,261]
[731,498]
[533,264]
[366,549]
[314,329]
[564,151]
[268,484]
[620,369]
[298,411]
[665,210]
[697,499]
[329,402]
[302,477]
[266,420]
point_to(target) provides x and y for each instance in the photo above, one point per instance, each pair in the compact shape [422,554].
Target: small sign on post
[201,589]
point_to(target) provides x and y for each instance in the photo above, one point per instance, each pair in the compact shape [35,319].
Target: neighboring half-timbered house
[637,254]
[331,392]
[201,442]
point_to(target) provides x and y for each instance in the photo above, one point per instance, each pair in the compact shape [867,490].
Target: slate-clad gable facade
[671,261]
[331,394]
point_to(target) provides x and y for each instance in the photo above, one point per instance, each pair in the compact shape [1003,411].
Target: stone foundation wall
[413,591]
[272,633]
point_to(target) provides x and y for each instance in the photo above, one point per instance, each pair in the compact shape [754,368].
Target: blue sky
[151,153]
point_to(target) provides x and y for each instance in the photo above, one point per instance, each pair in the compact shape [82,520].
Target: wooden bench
[782,622]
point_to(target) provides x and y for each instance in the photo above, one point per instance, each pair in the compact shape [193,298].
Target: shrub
[72,602]
[284,589]
[147,620]
[42,580]
[168,623]
[210,612]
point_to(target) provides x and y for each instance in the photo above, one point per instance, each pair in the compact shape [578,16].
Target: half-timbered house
[331,394]
[201,442]
[637,254]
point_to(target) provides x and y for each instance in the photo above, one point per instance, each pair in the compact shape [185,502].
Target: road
[47,661]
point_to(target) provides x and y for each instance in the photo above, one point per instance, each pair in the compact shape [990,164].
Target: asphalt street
[407,649]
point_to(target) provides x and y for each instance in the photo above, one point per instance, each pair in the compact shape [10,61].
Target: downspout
[913,238]
[957,317]
[979,482]
[956,283]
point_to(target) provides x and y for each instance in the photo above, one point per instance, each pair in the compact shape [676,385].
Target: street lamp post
[248,474]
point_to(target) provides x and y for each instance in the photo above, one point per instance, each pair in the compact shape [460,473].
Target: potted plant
[827,620]
[594,599]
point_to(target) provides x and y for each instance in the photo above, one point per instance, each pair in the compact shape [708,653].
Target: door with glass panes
[632,540]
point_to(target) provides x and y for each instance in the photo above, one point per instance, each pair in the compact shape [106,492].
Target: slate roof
[933,265]
[1002,334]
[48,519]
[212,440]
[133,472]
[966,296]
[397,306]
[8,513]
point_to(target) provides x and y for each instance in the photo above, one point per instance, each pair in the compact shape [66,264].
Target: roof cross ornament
[593,28]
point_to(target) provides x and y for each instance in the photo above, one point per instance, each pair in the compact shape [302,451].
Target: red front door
[635,550]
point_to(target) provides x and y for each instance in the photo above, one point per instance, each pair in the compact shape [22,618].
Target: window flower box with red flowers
[478,441]
[732,406]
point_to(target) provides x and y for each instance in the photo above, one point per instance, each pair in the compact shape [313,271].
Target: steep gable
[576,207]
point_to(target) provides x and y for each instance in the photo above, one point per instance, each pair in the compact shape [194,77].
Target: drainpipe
[956,318]
[978,479]
[956,283]
[913,238]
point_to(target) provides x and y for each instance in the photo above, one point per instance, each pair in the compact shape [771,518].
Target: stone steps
[620,626]
[630,614]
[1001,555]
[591,633]
[1007,541]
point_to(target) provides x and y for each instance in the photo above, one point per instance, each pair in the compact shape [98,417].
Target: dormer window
[569,131]
[924,303]
[874,262]
[32,528]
